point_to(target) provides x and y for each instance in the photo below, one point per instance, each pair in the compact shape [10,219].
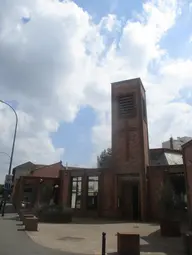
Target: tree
[104,160]
[167,200]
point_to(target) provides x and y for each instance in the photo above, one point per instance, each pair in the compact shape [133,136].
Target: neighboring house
[162,157]
[176,144]
[24,169]
[29,169]
[51,171]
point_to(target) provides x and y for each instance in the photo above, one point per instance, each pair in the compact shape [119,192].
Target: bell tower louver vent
[127,106]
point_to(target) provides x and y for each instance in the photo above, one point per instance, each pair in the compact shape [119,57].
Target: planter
[27,215]
[22,212]
[187,238]
[128,244]
[31,223]
[170,228]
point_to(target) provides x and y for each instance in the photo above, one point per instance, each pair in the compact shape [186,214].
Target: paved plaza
[13,240]
[84,236]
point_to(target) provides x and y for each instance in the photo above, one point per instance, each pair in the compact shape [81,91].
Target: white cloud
[33,140]
[59,61]
[190,6]
[110,22]
[190,39]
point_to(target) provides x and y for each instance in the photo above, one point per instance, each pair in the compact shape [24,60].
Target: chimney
[171,143]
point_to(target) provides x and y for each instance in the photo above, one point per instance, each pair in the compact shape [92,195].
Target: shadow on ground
[16,218]
[158,244]
[95,221]
[103,221]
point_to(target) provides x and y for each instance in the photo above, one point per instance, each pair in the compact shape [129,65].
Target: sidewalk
[13,240]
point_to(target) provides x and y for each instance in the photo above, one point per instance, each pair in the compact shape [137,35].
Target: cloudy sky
[58,58]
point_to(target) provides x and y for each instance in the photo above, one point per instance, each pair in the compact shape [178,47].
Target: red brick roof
[38,166]
[189,143]
[48,171]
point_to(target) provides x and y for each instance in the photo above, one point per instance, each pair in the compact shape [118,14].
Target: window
[92,196]
[56,191]
[28,187]
[76,192]
[144,108]
[127,106]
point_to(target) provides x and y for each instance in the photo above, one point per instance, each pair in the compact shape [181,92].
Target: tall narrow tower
[130,148]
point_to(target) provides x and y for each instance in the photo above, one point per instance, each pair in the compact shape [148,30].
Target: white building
[176,144]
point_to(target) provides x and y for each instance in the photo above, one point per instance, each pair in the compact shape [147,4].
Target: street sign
[8,181]
[8,178]
[7,186]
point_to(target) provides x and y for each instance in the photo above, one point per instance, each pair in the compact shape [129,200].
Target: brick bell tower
[130,147]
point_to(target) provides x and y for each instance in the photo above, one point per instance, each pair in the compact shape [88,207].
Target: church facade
[130,187]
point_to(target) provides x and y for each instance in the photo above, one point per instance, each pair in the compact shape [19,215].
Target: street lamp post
[2,152]
[6,154]
[14,136]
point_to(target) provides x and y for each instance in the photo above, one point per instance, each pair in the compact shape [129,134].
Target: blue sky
[176,41]
[76,137]
[99,9]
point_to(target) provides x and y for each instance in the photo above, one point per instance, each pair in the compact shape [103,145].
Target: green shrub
[54,209]
[168,200]
[54,214]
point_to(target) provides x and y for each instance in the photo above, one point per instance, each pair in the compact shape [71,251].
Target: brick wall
[107,194]
[187,156]
[50,171]
[65,178]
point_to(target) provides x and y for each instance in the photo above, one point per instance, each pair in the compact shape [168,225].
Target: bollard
[103,243]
